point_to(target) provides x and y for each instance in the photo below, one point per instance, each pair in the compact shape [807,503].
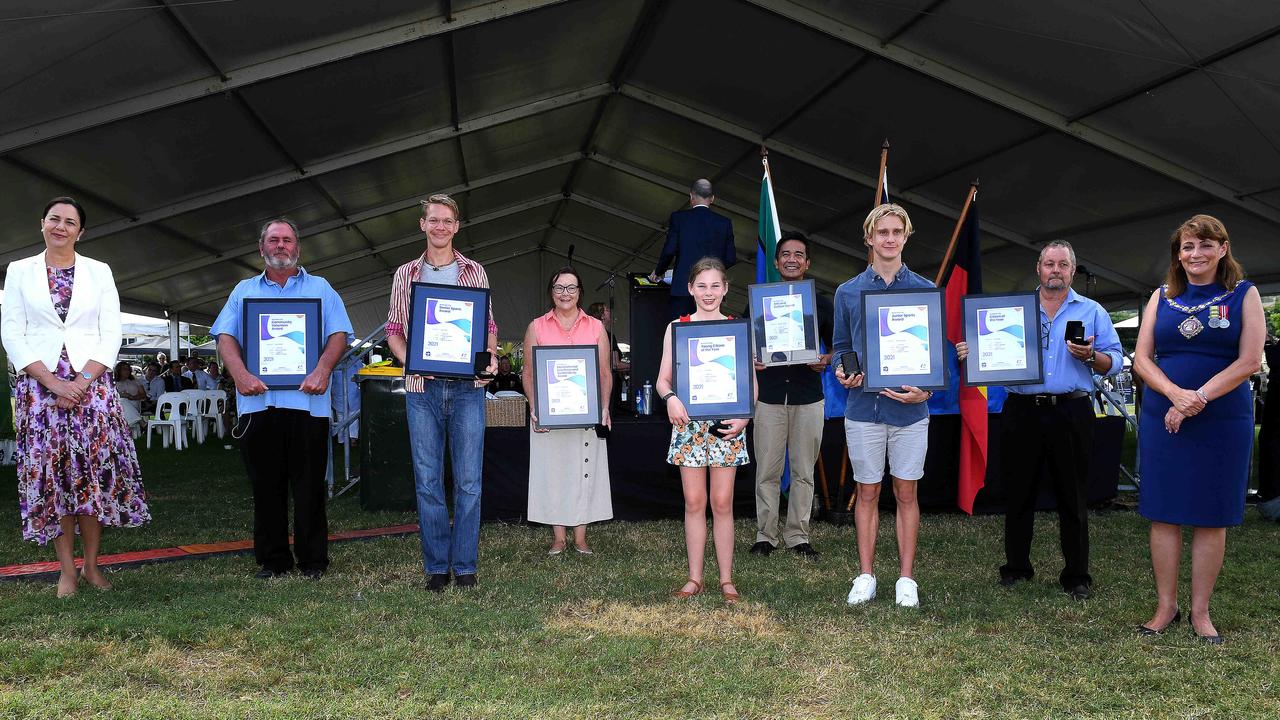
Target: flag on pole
[884,187]
[966,277]
[769,230]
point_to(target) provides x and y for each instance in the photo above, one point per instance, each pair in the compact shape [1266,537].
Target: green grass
[598,637]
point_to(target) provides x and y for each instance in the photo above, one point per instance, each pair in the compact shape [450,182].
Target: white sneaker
[863,590]
[908,592]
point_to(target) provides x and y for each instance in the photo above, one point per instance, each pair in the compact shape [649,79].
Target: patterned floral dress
[698,444]
[80,461]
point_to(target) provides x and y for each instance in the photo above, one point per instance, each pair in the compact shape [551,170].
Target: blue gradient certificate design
[904,340]
[446,334]
[1001,341]
[713,372]
[282,344]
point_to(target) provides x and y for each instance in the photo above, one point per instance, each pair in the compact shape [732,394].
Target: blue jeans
[452,409]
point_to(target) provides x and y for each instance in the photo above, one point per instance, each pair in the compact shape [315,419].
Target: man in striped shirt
[442,410]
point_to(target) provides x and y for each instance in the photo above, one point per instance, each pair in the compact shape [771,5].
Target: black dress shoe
[267,573]
[1077,592]
[465,581]
[761,548]
[313,574]
[1011,580]
[437,583]
[805,550]
[1145,631]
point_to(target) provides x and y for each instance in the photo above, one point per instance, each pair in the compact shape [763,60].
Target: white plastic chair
[194,401]
[212,409]
[169,418]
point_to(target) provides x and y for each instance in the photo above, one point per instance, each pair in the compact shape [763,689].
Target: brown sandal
[681,594]
[730,598]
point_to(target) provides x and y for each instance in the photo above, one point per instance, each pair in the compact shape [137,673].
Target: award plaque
[447,326]
[905,339]
[784,322]
[713,373]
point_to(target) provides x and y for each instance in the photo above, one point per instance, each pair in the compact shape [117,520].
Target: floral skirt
[80,461]
[698,445]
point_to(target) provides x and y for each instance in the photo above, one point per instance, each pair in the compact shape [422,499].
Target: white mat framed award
[905,339]
[1003,334]
[448,325]
[567,379]
[713,373]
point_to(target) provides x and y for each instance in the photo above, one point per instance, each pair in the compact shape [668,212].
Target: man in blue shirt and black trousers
[284,434]
[1052,423]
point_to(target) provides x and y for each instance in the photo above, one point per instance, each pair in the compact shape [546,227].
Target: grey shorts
[870,442]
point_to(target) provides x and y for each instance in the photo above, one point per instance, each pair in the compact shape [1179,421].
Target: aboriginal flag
[966,278]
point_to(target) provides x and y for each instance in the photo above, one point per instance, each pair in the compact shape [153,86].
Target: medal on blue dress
[1190,327]
[1214,317]
[1223,322]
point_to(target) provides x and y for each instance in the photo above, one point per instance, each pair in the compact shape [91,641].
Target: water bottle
[645,400]
[626,380]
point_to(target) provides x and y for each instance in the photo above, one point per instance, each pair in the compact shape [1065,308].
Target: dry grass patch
[686,620]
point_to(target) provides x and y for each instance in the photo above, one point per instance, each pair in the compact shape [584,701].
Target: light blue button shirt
[301,285]
[847,335]
[1062,372]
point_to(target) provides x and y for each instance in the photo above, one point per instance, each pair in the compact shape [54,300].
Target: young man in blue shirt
[891,422]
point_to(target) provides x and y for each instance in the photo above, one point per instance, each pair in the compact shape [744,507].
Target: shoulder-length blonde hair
[1205,227]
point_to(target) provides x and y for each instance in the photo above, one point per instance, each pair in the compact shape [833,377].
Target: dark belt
[1048,399]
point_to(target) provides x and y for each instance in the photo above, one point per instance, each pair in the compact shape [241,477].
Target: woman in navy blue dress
[1199,345]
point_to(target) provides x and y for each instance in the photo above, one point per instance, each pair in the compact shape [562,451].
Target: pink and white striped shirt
[470,274]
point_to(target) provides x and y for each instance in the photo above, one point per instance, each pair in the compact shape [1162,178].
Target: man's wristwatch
[1093,357]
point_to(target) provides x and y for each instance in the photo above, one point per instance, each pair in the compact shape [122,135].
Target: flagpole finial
[885,146]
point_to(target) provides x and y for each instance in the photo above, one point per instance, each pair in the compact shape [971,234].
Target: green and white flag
[769,230]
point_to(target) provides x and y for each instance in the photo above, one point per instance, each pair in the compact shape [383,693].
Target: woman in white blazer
[77,466]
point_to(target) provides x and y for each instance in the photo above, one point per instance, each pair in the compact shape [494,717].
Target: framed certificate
[714,375]
[1003,333]
[282,339]
[568,385]
[448,325]
[784,322]
[905,339]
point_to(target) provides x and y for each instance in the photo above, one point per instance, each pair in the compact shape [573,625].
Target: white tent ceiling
[183,125]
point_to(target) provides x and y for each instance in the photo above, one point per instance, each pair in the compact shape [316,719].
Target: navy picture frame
[423,300]
[682,333]
[758,295]
[933,333]
[542,354]
[1033,354]
[252,312]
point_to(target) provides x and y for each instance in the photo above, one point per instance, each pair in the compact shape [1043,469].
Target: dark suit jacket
[691,235]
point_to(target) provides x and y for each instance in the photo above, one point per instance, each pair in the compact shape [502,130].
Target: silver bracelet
[1203,397]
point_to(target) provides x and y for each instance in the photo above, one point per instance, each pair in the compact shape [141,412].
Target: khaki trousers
[779,429]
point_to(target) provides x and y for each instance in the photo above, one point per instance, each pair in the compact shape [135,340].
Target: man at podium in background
[693,234]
